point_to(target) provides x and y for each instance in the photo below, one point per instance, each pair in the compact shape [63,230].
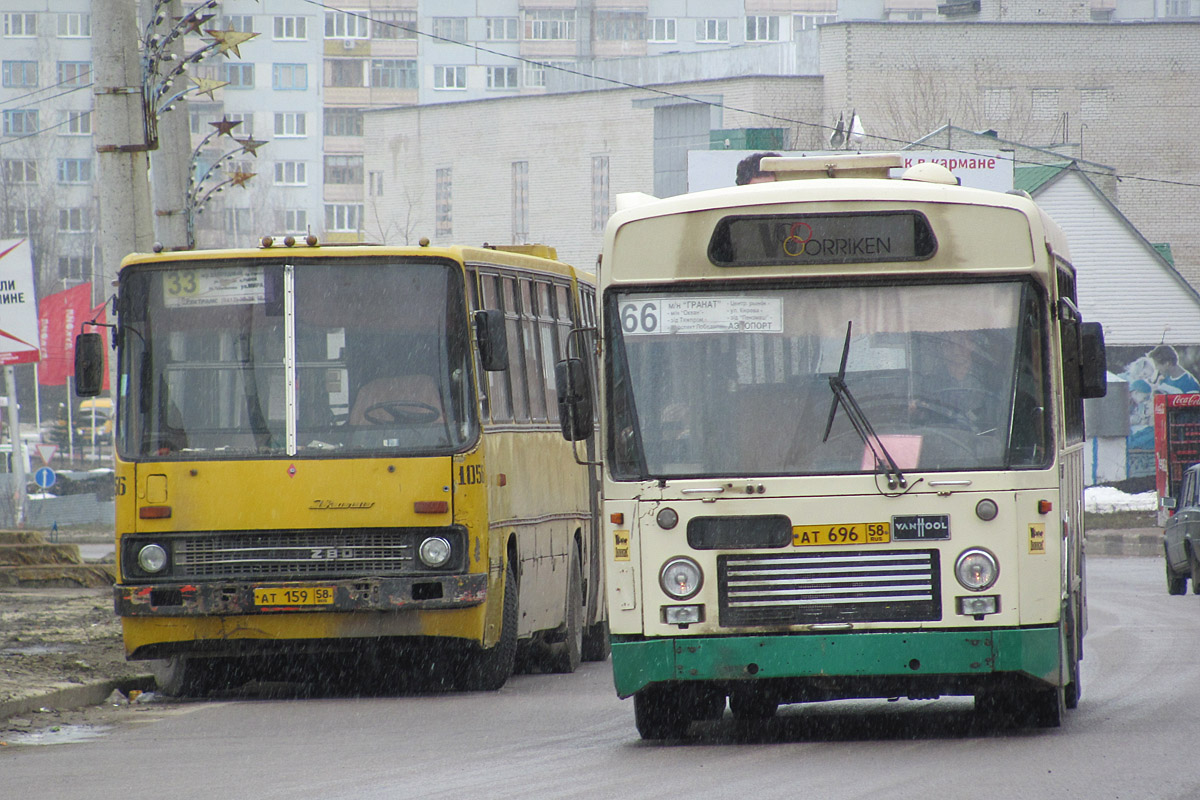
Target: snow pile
[1106,499]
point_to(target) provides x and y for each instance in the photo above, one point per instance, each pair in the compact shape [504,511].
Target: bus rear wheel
[564,656]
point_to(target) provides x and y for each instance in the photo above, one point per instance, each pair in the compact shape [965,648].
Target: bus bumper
[931,658]
[226,598]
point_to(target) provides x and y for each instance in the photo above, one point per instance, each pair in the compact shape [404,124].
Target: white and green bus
[842,426]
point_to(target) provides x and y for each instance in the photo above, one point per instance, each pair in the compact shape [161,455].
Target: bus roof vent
[539,250]
[930,173]
[791,168]
[633,200]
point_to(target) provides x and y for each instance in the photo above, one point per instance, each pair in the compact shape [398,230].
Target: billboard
[18,305]
[981,169]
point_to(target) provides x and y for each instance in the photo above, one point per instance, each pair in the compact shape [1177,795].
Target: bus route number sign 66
[641,317]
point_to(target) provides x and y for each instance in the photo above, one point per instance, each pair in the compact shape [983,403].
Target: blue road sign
[44,477]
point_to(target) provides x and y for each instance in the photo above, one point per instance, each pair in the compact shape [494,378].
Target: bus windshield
[253,358]
[728,383]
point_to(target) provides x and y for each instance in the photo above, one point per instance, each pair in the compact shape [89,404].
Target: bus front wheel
[185,676]
[664,711]
[488,670]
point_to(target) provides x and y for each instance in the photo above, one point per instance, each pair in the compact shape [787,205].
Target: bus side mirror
[89,364]
[574,399]
[493,344]
[1093,362]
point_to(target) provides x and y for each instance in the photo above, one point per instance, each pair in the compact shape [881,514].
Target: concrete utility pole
[170,164]
[122,165]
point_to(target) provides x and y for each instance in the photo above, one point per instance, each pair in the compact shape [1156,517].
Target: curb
[88,694]
[1140,542]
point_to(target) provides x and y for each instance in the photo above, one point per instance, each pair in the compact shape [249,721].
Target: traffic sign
[44,477]
[46,452]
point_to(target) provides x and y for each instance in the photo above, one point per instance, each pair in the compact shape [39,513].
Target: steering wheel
[394,412]
[926,412]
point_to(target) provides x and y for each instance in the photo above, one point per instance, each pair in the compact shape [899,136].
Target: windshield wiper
[862,426]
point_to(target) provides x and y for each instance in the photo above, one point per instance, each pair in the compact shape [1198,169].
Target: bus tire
[664,711]
[596,644]
[486,670]
[752,704]
[187,676]
[1177,584]
[564,656]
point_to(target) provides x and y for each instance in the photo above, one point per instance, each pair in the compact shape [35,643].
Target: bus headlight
[434,552]
[152,558]
[681,578]
[976,569]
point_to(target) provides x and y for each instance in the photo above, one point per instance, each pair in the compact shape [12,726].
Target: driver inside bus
[397,400]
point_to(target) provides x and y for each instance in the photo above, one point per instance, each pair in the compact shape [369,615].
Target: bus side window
[498,386]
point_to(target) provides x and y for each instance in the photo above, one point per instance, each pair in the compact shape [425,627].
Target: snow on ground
[1106,499]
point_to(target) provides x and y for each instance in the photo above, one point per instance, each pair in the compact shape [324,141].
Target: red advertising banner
[18,306]
[60,319]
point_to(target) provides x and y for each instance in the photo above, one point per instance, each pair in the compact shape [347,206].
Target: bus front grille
[255,555]
[829,587]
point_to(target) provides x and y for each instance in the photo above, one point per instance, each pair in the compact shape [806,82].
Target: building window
[74,26]
[375,183]
[502,78]
[344,170]
[712,30]
[79,267]
[535,71]
[1044,103]
[74,73]
[290,173]
[394,73]
[443,222]
[345,72]
[291,29]
[295,220]
[618,26]
[997,104]
[451,28]
[343,217]
[246,118]
[237,221]
[345,25]
[1177,8]
[662,30]
[76,123]
[291,124]
[449,77]
[289,76]
[73,220]
[394,24]
[600,204]
[242,23]
[22,122]
[19,74]
[20,26]
[74,170]
[343,121]
[762,29]
[1093,103]
[20,221]
[550,25]
[809,22]
[503,29]
[19,170]
[520,202]
[240,76]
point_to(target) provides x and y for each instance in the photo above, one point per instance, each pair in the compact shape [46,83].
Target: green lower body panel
[956,655]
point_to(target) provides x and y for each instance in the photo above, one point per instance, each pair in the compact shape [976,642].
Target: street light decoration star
[192,25]
[225,126]
[240,178]
[250,145]
[229,40]
[208,86]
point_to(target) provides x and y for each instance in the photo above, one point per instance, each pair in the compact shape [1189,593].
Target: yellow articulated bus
[324,448]
[842,424]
